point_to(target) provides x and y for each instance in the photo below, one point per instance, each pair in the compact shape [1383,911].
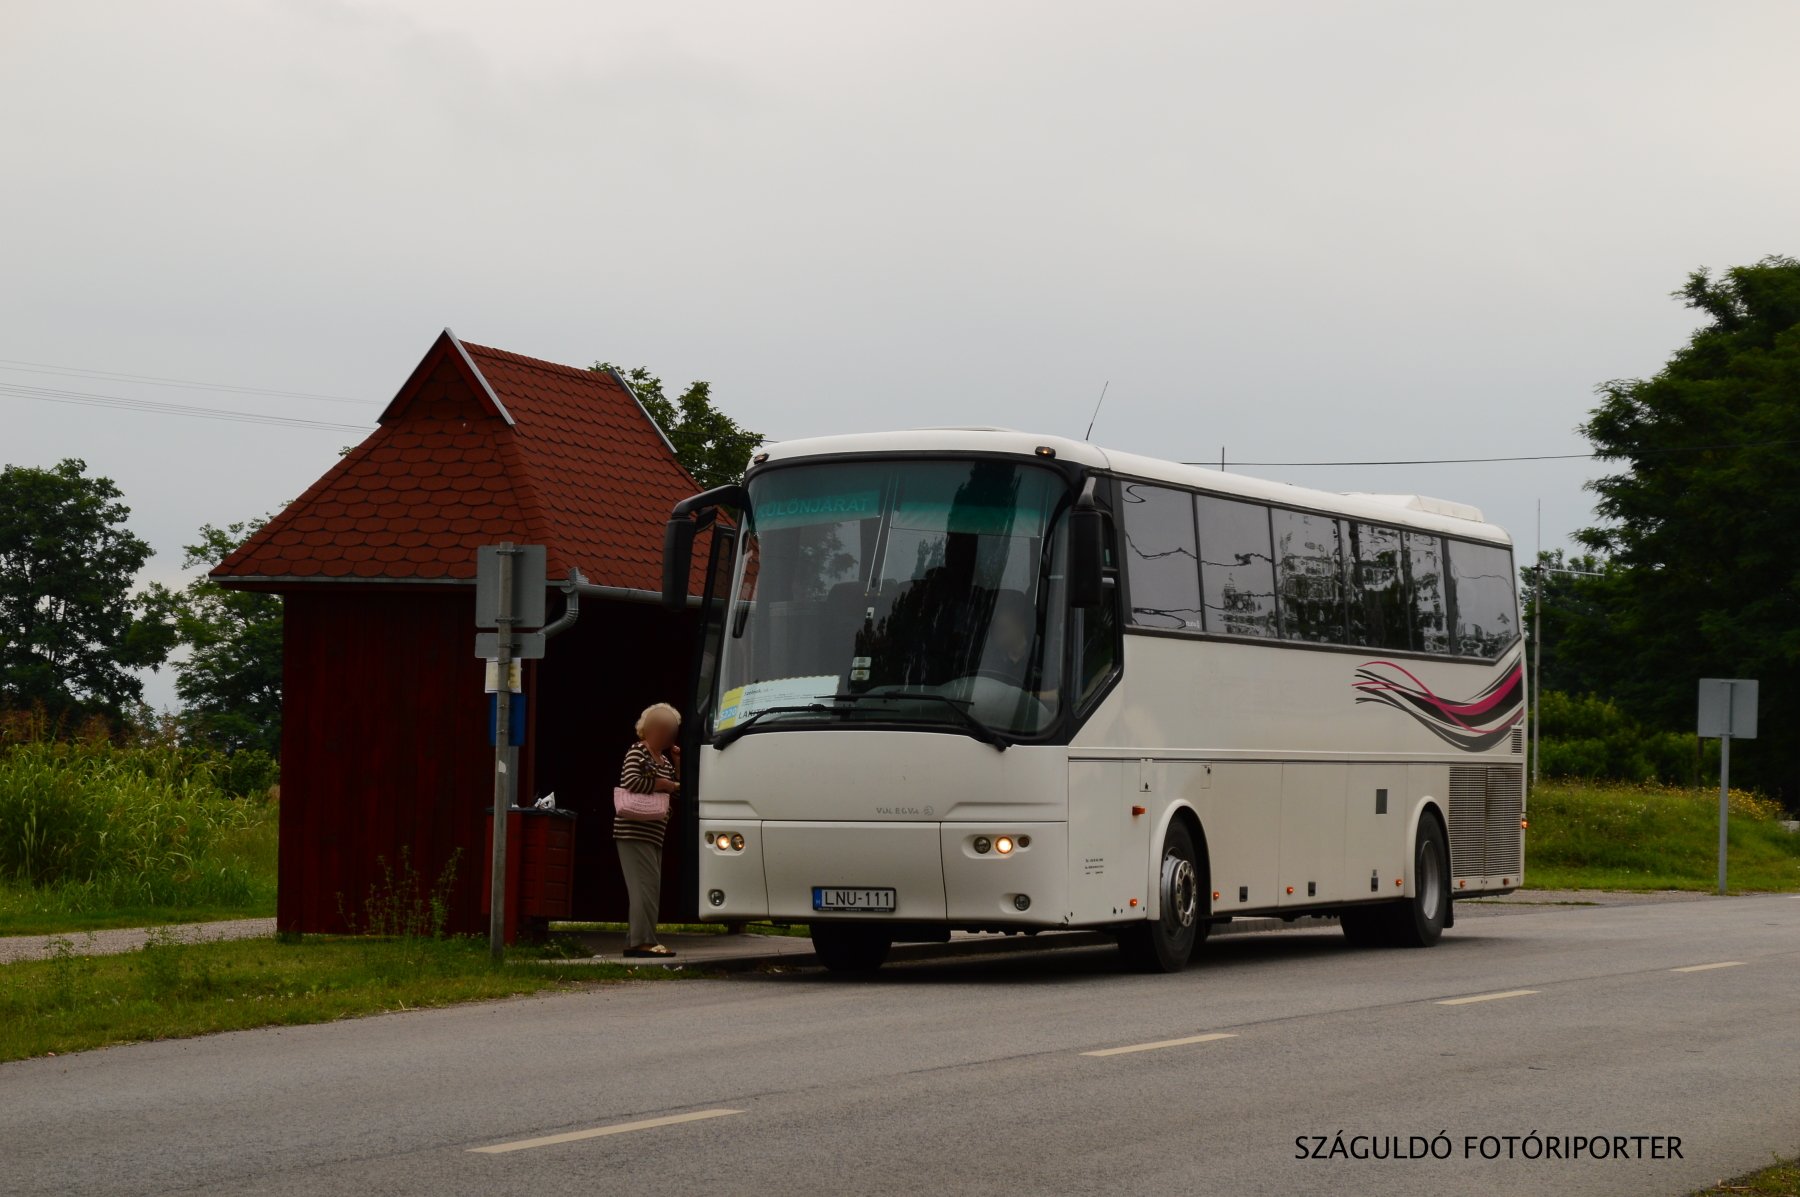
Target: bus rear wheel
[850,949]
[1418,921]
[1163,946]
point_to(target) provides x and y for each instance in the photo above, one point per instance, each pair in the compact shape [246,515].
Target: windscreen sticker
[745,701]
[801,510]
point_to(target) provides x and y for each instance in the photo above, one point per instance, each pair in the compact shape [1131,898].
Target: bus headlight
[1003,845]
[1021,901]
[737,843]
[982,844]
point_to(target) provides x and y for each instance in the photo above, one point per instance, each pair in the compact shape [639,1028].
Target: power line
[114,376]
[85,399]
[1480,460]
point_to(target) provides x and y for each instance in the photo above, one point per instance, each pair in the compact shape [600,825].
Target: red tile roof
[480,447]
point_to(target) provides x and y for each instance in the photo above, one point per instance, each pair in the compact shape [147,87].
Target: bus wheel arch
[1165,943]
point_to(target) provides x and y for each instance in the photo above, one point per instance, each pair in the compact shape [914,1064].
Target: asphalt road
[970,1076]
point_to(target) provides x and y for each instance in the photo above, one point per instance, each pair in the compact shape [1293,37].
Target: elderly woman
[653,765]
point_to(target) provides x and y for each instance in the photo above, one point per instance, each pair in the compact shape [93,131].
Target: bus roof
[1409,511]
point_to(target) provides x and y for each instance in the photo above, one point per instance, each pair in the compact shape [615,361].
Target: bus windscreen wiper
[731,733]
[976,728]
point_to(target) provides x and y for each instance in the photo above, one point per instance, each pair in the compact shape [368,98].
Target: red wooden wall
[384,744]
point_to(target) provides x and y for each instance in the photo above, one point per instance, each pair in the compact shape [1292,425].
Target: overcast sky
[1303,232]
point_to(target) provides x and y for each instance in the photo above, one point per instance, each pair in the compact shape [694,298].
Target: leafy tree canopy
[230,683]
[714,447]
[70,628]
[1702,531]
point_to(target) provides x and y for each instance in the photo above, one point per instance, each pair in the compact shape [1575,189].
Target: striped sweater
[642,768]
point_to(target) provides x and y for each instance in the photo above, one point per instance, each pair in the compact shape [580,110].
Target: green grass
[1780,1179]
[172,990]
[96,833]
[1600,835]
[237,882]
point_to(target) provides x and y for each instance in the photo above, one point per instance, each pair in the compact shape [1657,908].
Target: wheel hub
[1180,892]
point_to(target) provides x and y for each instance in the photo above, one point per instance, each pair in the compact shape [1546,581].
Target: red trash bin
[540,868]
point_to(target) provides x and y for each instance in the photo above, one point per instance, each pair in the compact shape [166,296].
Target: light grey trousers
[642,864]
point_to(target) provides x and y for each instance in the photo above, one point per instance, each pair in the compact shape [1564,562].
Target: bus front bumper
[959,874]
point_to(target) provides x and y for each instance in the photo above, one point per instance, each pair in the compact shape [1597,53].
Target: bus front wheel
[1164,945]
[850,949]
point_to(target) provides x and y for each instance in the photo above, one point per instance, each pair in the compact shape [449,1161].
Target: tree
[714,447]
[1703,523]
[70,627]
[230,684]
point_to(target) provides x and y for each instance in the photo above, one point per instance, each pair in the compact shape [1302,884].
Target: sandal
[654,950]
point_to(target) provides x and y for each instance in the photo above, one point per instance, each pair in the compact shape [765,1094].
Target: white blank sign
[1727,708]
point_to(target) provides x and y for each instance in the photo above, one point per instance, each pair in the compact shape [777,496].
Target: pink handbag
[640,808]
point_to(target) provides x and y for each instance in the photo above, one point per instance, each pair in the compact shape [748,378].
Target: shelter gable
[481,445]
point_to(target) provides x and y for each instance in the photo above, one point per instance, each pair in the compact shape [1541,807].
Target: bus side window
[1425,584]
[1237,577]
[1485,599]
[1378,601]
[1309,565]
[1160,563]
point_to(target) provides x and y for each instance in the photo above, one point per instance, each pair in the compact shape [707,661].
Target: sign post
[509,591]
[1727,711]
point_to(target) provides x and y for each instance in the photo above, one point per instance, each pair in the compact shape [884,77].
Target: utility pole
[1537,672]
[503,643]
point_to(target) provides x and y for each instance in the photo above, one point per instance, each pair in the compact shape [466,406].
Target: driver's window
[1097,632]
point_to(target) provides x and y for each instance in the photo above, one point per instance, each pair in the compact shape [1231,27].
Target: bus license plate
[876,901]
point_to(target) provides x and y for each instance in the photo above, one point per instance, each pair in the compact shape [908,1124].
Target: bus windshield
[898,592]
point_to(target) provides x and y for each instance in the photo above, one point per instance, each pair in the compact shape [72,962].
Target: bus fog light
[982,844]
[716,897]
[1003,845]
[737,843]
[1021,901]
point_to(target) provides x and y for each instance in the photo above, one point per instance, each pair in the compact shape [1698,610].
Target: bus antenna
[1090,431]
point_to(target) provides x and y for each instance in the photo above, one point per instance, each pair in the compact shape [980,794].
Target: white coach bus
[970,678]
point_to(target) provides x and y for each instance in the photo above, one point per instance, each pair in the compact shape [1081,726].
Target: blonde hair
[654,710]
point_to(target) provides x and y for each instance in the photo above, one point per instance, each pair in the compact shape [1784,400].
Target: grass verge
[1610,836]
[1780,1179]
[173,989]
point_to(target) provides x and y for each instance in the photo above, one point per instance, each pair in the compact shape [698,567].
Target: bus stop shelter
[385,753]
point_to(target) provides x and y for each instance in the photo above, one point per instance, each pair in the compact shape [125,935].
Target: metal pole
[1725,781]
[503,621]
[1537,674]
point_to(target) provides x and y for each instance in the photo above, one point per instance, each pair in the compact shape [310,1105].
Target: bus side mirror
[1087,556]
[678,561]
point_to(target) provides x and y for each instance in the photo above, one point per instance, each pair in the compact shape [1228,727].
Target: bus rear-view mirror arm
[1087,550]
[678,537]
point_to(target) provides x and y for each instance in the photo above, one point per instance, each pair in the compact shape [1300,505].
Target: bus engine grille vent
[1486,803]
[1505,807]
[1518,740]
[1468,819]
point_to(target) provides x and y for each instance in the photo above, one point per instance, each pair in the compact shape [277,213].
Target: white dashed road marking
[1700,968]
[1144,1047]
[1487,997]
[616,1129]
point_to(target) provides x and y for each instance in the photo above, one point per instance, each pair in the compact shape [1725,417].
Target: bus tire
[1419,921]
[850,949]
[1164,946]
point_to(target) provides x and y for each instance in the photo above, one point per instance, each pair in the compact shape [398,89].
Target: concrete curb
[987,945]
